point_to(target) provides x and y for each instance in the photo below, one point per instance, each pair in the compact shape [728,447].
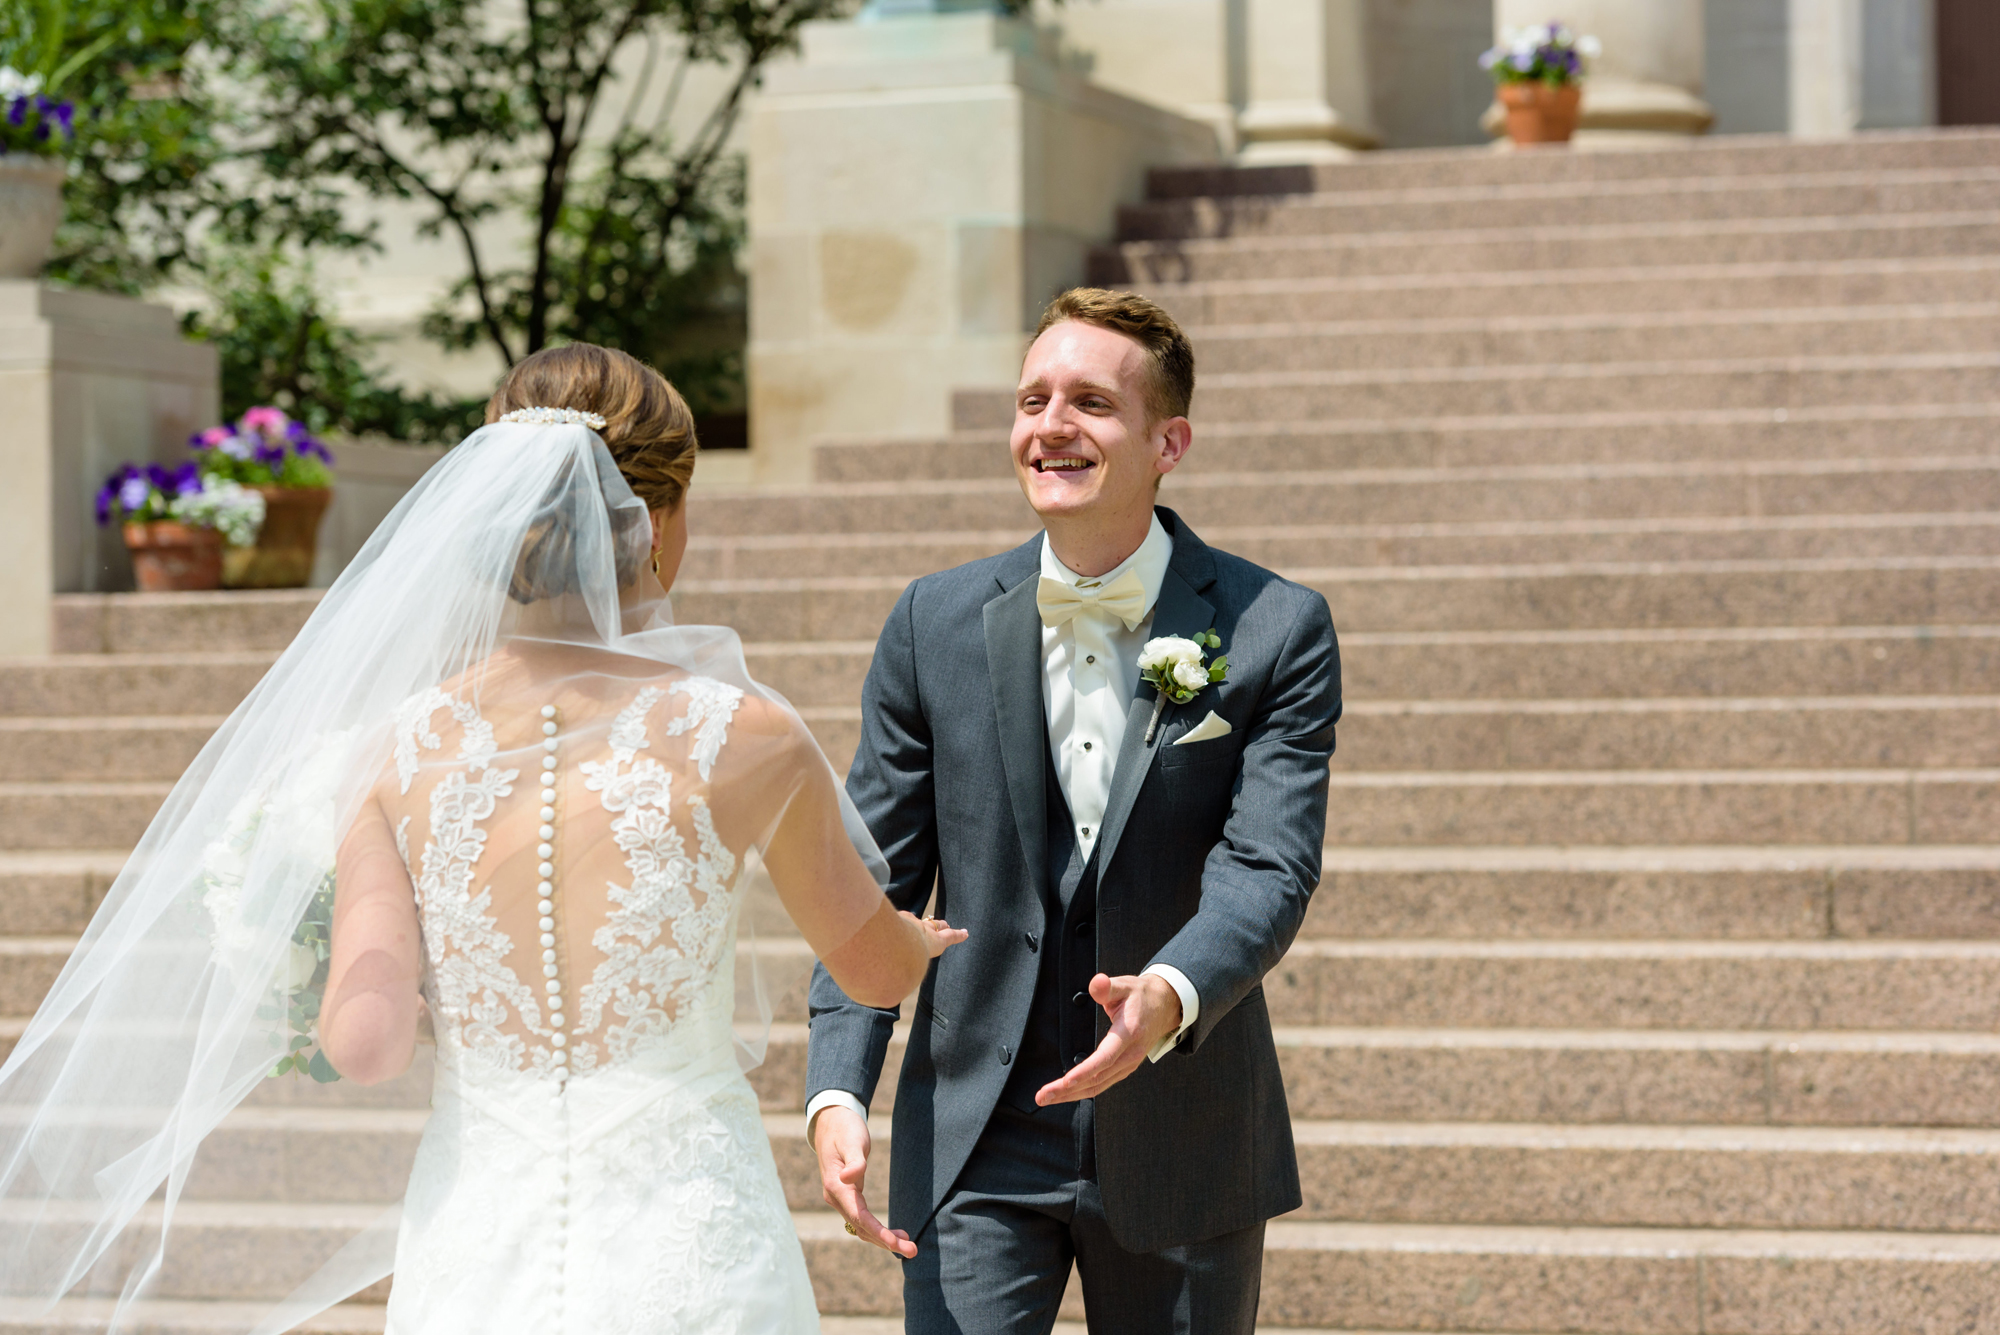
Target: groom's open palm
[1144,1009]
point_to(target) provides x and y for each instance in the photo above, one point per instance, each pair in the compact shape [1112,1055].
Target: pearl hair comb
[556,417]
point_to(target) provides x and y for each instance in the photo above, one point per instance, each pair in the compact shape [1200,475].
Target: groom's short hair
[1168,351]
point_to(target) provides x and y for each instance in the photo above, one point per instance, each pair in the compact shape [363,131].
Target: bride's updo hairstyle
[647,428]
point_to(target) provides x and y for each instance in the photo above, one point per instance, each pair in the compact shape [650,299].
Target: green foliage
[278,345]
[472,115]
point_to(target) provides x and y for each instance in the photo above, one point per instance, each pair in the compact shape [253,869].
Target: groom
[1090,1078]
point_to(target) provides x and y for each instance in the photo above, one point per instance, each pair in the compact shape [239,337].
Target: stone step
[1938,430]
[1388,344]
[1479,1278]
[1573,203]
[1750,159]
[193,682]
[1279,547]
[1599,595]
[1551,247]
[1418,495]
[1769,893]
[1852,733]
[1666,734]
[1613,1176]
[1614,289]
[1688,662]
[166,1316]
[103,747]
[1551,388]
[1780,1078]
[1585,1077]
[238,622]
[1379,807]
[1721,985]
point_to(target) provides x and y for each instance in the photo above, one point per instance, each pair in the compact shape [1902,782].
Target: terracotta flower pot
[1540,114]
[283,555]
[173,558]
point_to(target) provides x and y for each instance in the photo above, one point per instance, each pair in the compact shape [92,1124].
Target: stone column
[89,382]
[1647,86]
[1308,98]
[1825,68]
[919,187]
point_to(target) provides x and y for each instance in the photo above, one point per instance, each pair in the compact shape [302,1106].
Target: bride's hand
[937,932]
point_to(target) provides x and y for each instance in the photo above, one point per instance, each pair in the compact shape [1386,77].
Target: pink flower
[214,436]
[269,421]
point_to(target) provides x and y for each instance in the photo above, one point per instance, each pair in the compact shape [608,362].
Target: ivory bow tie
[1124,598]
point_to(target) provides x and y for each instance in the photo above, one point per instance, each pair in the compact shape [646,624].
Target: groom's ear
[1172,440]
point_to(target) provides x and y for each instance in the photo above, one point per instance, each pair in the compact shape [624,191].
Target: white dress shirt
[1090,668]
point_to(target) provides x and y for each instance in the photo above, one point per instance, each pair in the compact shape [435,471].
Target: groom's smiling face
[1085,442]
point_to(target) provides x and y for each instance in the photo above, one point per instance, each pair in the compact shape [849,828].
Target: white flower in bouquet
[304,964]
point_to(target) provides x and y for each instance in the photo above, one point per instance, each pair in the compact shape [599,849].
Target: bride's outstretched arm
[368,1023]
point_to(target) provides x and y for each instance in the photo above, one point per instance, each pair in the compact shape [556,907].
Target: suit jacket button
[1080,999]
[1029,937]
[1006,1054]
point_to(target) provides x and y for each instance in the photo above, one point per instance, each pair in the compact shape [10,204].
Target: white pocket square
[1212,726]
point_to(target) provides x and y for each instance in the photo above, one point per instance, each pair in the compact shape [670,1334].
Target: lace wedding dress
[595,1162]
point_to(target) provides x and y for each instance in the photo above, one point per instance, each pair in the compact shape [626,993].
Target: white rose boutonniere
[1178,669]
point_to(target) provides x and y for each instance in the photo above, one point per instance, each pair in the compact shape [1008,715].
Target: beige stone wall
[87,382]
[919,187]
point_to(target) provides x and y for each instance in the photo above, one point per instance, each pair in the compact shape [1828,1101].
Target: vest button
[1079,999]
[1006,1054]
[1083,928]
[1030,939]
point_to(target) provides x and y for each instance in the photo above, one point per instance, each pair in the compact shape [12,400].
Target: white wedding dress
[595,1162]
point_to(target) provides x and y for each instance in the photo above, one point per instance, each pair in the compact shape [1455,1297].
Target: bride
[493,792]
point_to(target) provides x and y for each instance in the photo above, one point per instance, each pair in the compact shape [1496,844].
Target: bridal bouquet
[296,827]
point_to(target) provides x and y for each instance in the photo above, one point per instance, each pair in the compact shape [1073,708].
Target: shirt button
[1086,746]
[1090,658]
[1086,832]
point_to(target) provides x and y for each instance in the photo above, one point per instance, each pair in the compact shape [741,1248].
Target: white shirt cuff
[1190,1009]
[831,1098]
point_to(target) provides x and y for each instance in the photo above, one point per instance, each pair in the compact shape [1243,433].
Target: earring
[656,562]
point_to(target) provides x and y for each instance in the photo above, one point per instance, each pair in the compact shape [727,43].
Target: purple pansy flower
[132,493]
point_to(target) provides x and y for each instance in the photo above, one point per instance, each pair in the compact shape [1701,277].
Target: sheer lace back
[577,899]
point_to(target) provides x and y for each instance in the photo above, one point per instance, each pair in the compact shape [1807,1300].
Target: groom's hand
[1144,1009]
[841,1141]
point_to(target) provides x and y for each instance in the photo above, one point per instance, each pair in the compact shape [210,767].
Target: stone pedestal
[1308,82]
[1646,88]
[89,382]
[1825,67]
[919,187]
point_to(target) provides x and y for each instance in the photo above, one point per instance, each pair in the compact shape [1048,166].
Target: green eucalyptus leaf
[301,1041]
[283,1067]
[320,1069]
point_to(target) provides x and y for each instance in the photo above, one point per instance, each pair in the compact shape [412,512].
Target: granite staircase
[1652,987]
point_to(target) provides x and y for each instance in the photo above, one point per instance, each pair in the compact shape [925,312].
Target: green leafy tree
[556,113]
[278,345]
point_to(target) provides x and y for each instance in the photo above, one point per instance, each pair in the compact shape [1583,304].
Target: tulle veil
[194,980]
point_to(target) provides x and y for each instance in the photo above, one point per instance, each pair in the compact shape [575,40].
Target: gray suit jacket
[1207,857]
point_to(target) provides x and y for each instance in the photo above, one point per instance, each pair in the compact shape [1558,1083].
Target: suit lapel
[1014,659]
[1180,611]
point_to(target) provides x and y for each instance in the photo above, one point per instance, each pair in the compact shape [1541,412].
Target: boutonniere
[1179,670]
